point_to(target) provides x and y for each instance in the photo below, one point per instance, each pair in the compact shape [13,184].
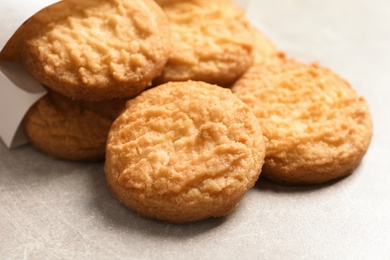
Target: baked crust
[183,152]
[97,49]
[318,128]
[211,41]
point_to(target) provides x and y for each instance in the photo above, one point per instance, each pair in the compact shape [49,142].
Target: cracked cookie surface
[97,49]
[183,152]
[211,41]
[263,48]
[318,128]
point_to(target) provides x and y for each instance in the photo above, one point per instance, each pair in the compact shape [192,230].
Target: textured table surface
[53,209]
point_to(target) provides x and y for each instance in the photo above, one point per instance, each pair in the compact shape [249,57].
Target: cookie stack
[92,56]
[186,102]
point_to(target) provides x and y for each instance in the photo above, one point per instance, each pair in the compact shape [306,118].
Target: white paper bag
[18,91]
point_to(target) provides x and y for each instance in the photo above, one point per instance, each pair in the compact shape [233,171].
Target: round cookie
[69,129]
[97,49]
[183,152]
[318,128]
[211,41]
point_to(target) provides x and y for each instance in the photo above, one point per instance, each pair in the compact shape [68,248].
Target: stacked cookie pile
[186,102]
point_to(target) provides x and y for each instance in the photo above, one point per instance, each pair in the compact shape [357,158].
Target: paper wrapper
[18,90]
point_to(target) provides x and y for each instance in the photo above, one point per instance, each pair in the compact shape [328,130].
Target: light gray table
[59,210]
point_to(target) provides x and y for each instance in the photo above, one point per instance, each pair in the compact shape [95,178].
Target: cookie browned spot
[184,151]
[318,128]
[97,49]
[69,129]
[211,41]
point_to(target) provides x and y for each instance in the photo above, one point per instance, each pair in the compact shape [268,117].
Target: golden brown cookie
[97,49]
[211,41]
[69,129]
[318,128]
[184,151]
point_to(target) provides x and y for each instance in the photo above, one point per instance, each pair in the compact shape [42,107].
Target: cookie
[318,128]
[211,41]
[72,130]
[183,152]
[97,49]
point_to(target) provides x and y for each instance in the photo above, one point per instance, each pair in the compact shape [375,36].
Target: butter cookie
[211,41]
[183,152]
[68,129]
[318,128]
[97,49]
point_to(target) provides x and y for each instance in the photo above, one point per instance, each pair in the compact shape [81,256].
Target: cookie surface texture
[71,130]
[184,152]
[211,41]
[318,128]
[97,49]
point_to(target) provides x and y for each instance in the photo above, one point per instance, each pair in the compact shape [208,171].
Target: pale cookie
[69,129]
[184,151]
[97,49]
[211,41]
[318,128]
